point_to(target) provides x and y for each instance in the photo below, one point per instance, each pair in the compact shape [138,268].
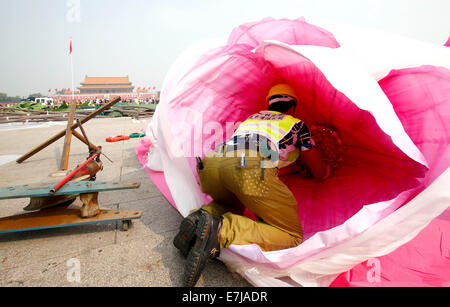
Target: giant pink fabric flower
[395,134]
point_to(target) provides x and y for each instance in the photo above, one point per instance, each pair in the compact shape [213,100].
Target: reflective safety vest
[274,126]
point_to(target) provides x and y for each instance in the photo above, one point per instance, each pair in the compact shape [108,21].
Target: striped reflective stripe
[284,125]
[274,130]
[270,129]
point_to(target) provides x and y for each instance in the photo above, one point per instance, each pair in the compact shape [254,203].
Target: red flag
[70,46]
[49,90]
[56,89]
[154,87]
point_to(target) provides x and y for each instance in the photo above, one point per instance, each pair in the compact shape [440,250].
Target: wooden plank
[68,137]
[62,217]
[71,187]
[63,132]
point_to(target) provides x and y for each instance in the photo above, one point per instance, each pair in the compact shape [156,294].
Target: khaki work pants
[233,187]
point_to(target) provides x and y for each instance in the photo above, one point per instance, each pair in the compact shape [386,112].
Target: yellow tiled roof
[105,80]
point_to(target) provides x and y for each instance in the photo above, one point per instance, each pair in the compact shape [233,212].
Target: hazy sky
[141,38]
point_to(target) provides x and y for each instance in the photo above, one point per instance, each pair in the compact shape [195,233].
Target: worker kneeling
[243,173]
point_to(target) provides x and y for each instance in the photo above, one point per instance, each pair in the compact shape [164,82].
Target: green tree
[36,95]
[5,98]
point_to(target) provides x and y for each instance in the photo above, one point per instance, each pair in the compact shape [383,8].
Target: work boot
[185,238]
[206,247]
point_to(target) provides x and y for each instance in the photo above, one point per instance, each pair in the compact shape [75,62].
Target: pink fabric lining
[142,150]
[374,169]
[233,84]
[291,32]
[424,261]
[372,163]
[421,99]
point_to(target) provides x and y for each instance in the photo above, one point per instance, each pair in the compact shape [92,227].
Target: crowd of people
[98,101]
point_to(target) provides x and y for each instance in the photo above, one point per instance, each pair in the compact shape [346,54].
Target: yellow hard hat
[281,89]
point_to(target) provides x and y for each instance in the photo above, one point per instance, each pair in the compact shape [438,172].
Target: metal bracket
[90,206]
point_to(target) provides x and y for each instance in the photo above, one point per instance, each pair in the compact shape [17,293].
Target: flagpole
[70,117]
[71,67]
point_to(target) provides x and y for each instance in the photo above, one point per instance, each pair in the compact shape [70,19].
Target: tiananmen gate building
[105,85]
[93,88]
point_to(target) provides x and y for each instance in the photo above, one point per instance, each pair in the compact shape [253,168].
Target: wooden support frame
[63,132]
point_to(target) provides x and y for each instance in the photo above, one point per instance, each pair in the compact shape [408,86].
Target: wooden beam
[68,137]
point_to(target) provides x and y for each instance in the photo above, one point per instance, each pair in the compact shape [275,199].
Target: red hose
[63,182]
[118,138]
